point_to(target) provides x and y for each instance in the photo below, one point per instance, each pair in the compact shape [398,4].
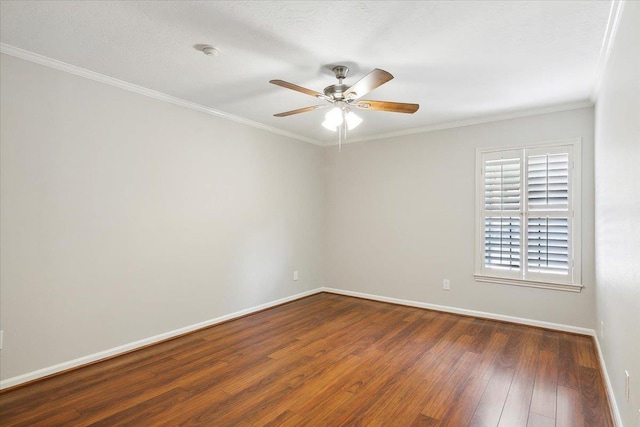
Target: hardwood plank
[450,387]
[405,333]
[569,412]
[452,336]
[50,417]
[488,363]
[138,414]
[188,412]
[332,360]
[586,353]
[461,412]
[568,372]
[518,402]
[434,328]
[424,421]
[550,341]
[481,335]
[510,354]
[493,399]
[595,409]
[286,417]
[537,420]
[543,400]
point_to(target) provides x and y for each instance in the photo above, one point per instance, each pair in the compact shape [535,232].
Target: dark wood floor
[330,360]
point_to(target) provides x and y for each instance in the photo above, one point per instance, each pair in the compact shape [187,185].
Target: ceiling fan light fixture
[341,97]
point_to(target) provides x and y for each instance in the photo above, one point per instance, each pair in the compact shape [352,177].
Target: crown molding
[607,45]
[140,90]
[476,121]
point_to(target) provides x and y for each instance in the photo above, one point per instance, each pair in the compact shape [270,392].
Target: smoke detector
[210,50]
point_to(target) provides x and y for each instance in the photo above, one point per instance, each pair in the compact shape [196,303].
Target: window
[528,216]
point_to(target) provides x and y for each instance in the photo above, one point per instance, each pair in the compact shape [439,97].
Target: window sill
[528,283]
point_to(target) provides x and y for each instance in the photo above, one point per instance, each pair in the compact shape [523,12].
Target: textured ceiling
[459,60]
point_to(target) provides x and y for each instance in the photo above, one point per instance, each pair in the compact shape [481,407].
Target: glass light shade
[329,126]
[333,119]
[352,120]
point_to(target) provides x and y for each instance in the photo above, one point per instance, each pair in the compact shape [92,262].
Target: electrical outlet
[446,284]
[295,275]
[626,385]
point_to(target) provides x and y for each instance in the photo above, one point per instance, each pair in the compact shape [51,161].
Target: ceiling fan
[342,97]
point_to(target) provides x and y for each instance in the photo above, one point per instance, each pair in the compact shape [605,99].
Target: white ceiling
[459,60]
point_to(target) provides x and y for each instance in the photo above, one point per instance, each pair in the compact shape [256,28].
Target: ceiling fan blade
[298,88]
[301,110]
[368,83]
[395,107]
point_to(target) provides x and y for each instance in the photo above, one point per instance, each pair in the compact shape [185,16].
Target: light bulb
[352,120]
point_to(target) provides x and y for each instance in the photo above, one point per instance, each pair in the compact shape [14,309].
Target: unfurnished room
[320,213]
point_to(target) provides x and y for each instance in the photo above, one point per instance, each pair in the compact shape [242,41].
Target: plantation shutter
[548,220]
[526,208]
[502,184]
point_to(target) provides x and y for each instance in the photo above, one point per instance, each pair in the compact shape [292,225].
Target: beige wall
[617,171]
[400,218]
[124,217]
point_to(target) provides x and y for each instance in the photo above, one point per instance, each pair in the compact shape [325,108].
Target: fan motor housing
[335,91]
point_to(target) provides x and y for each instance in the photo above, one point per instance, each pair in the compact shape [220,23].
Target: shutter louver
[548,245]
[548,182]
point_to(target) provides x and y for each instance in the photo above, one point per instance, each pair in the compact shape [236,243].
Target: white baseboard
[40,373]
[612,398]
[464,311]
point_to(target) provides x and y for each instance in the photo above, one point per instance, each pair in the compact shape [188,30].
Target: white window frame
[573,280]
